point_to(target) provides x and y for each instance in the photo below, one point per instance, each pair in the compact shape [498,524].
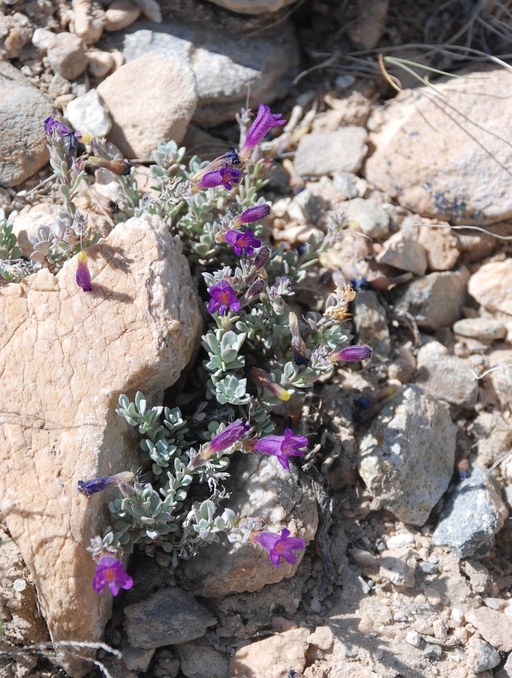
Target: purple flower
[242,242]
[229,436]
[223,298]
[220,172]
[110,572]
[225,176]
[282,447]
[83,277]
[252,214]
[52,125]
[279,547]
[352,353]
[90,487]
[265,121]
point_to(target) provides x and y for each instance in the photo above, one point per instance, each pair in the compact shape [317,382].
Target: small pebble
[413,638]
[397,540]
[433,596]
[433,651]
[428,568]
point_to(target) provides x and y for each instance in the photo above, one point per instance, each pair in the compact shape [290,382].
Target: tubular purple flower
[110,572]
[243,243]
[261,259]
[252,214]
[52,125]
[90,487]
[352,353]
[264,122]
[223,298]
[223,440]
[280,547]
[221,171]
[226,177]
[282,447]
[83,276]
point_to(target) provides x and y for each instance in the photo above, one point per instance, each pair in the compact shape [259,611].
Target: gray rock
[369,24]
[137,658]
[225,67]
[445,376]
[371,324]
[484,657]
[261,486]
[406,459]
[403,251]
[253,6]
[483,329]
[23,108]
[168,617]
[150,9]
[434,300]
[367,217]
[166,664]
[330,152]
[200,659]
[156,113]
[87,115]
[66,55]
[473,514]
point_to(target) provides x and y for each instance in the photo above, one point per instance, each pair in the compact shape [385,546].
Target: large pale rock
[65,356]
[448,139]
[23,108]
[263,490]
[228,62]
[272,657]
[161,110]
[407,456]
[491,286]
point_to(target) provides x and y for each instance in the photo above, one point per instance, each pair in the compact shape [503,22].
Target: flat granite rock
[65,357]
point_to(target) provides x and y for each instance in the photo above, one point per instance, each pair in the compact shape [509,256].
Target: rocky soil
[405,495]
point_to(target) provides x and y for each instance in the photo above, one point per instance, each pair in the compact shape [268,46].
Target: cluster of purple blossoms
[223,298]
[280,547]
[110,572]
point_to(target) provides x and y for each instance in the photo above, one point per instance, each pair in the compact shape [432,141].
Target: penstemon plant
[260,354]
